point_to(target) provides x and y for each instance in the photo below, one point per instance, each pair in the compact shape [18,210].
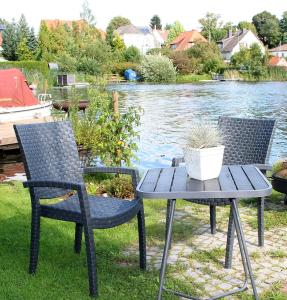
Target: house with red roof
[277,61]
[280,51]
[186,40]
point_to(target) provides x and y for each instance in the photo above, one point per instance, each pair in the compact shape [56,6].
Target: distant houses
[277,61]
[234,42]
[280,51]
[142,37]
[186,40]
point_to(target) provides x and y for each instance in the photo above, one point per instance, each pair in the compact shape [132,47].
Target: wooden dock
[8,139]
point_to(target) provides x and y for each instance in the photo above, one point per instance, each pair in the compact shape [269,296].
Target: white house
[141,37]
[234,42]
[280,51]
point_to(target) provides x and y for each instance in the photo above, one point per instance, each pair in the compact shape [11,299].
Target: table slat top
[236,181]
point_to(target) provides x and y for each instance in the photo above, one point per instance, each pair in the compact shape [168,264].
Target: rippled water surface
[169,110]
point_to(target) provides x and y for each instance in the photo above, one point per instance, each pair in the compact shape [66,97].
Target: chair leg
[78,237]
[168,211]
[35,241]
[260,222]
[142,238]
[230,241]
[91,260]
[212,209]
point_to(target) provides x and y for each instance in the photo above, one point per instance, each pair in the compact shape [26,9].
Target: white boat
[38,111]
[17,102]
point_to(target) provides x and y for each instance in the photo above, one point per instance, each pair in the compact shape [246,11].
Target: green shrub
[108,136]
[67,63]
[132,54]
[119,68]
[27,65]
[163,51]
[184,65]
[156,68]
[90,66]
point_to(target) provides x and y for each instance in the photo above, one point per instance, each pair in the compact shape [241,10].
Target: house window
[173,46]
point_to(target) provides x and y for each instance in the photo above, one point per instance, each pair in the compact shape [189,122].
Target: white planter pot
[204,164]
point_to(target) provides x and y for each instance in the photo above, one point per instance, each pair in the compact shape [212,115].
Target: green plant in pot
[279,177]
[203,151]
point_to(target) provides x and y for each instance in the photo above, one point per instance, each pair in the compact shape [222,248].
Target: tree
[167,26]
[23,52]
[132,54]
[212,27]
[268,28]
[155,22]
[283,26]
[114,24]
[175,30]
[87,14]
[32,41]
[247,25]
[23,30]
[9,43]
[118,43]
[250,60]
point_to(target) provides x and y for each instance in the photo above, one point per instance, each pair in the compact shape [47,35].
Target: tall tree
[87,14]
[283,26]
[9,43]
[167,26]
[23,30]
[23,52]
[32,41]
[155,22]
[268,28]
[212,27]
[175,30]
[114,24]
[247,25]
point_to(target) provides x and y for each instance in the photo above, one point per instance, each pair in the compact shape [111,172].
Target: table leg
[166,248]
[242,245]
[230,241]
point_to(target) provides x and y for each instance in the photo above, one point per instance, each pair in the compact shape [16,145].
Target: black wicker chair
[247,141]
[53,169]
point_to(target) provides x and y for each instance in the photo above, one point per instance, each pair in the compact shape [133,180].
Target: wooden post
[116,102]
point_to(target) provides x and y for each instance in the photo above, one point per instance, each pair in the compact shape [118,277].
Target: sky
[140,12]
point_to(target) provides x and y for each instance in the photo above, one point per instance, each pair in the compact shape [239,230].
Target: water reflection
[169,109]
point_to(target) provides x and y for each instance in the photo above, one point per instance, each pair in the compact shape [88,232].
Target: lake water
[168,111]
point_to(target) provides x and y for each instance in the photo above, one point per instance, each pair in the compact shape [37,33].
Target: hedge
[28,65]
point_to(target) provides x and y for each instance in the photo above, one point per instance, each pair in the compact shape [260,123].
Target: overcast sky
[140,12]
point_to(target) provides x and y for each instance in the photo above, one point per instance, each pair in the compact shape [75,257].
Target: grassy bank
[192,78]
[63,275]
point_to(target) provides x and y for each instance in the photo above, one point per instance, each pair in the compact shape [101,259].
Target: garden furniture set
[53,169]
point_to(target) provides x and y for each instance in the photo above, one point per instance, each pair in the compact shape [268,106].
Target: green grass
[192,78]
[62,274]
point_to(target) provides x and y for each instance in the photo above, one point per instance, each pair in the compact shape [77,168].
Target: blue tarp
[130,74]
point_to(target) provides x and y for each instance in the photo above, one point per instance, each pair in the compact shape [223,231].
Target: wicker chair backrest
[49,152]
[247,141]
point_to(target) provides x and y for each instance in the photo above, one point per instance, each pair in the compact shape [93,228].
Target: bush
[91,66]
[184,65]
[26,65]
[66,62]
[163,51]
[108,136]
[120,67]
[156,68]
[132,54]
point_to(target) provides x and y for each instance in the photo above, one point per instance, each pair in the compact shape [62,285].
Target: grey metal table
[234,182]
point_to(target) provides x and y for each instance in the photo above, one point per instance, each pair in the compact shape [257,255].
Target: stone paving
[201,258]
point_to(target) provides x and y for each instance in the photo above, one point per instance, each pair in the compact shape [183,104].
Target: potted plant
[203,151]
[279,177]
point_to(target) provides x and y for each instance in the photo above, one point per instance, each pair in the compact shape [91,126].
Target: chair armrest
[116,170]
[79,187]
[54,184]
[176,161]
